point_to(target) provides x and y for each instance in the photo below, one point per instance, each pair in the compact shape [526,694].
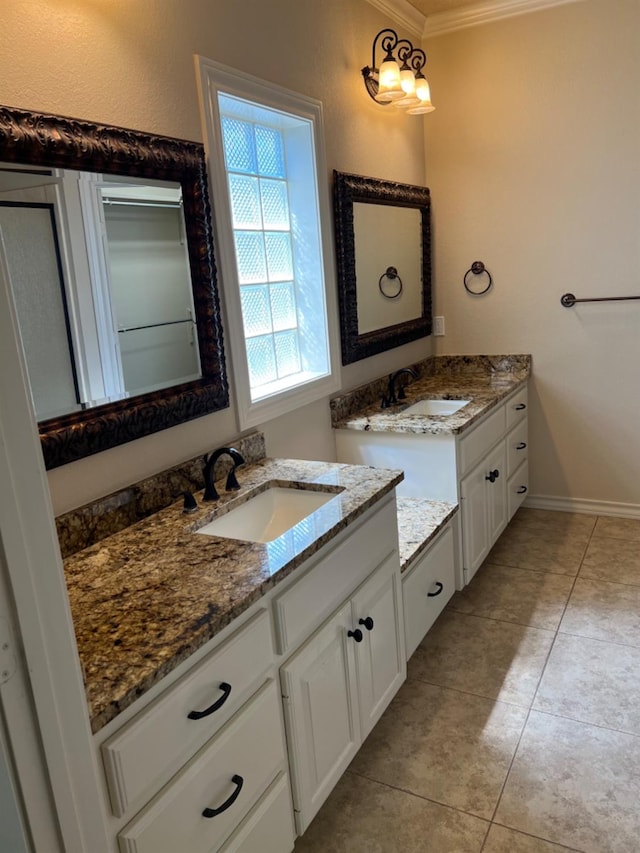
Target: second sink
[268,514]
[435,407]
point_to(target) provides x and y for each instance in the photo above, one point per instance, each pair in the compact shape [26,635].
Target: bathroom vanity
[475,452]
[231,682]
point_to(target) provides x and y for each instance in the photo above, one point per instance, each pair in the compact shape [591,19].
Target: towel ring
[392,274]
[477,268]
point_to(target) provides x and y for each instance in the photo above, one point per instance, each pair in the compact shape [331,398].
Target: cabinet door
[321,713]
[380,653]
[475,524]
[497,492]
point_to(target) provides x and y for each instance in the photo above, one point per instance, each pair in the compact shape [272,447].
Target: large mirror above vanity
[107,238]
[383,242]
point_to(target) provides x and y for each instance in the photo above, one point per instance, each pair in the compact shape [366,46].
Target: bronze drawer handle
[521,490]
[521,446]
[198,715]
[238,781]
[439,588]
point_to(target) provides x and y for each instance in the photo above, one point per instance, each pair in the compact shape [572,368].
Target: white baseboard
[580,505]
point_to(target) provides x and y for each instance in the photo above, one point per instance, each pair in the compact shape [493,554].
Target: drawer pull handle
[357,635]
[238,781]
[521,446]
[368,623]
[521,490]
[439,588]
[520,407]
[198,715]
[492,476]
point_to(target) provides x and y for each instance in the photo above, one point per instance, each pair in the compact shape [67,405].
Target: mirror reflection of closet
[100,273]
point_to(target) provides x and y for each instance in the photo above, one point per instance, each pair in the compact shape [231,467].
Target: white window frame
[213,77]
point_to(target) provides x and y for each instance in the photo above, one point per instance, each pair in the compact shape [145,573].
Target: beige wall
[533,159]
[131,64]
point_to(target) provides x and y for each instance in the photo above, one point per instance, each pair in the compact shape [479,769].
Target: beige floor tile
[618,528]
[497,660]
[443,745]
[515,595]
[548,519]
[575,784]
[604,611]
[362,816]
[614,560]
[503,840]
[592,681]
[540,549]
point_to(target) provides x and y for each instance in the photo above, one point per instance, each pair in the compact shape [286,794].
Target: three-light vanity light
[399,79]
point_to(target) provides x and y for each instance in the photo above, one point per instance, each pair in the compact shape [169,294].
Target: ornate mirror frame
[356,188]
[57,142]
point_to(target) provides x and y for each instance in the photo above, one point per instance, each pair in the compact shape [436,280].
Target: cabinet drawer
[152,746]
[427,587]
[243,759]
[517,488]
[268,828]
[481,439]
[517,407]
[313,598]
[517,446]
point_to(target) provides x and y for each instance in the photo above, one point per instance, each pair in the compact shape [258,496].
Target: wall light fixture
[399,79]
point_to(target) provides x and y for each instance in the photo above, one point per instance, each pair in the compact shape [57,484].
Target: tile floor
[518,728]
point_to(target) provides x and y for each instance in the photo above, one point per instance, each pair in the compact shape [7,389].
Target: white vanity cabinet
[280,700]
[337,685]
[428,584]
[485,470]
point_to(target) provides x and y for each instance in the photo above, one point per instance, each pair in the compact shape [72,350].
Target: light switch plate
[438,326]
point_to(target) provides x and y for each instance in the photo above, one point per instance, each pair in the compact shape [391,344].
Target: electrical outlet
[438,325]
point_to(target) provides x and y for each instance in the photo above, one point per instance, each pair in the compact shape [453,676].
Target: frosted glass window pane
[279,260]
[287,353]
[262,360]
[255,309]
[252,267]
[283,306]
[275,205]
[270,153]
[245,201]
[239,149]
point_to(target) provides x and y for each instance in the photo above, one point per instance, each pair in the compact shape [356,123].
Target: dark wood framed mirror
[36,143]
[383,244]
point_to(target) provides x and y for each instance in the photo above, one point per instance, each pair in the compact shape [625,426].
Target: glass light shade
[422,89]
[389,88]
[407,81]
[409,101]
[424,94]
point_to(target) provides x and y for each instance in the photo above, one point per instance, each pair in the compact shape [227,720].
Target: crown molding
[402,13]
[483,13]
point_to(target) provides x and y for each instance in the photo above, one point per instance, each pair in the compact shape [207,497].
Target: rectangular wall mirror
[383,242]
[107,239]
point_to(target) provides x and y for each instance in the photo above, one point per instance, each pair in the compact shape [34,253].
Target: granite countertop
[483,391]
[419,522]
[144,599]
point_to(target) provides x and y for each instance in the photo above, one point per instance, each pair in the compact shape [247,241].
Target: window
[264,161]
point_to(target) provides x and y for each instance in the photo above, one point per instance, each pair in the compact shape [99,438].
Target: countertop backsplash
[79,528]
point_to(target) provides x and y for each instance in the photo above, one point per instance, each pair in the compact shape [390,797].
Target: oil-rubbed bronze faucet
[210,493]
[392,395]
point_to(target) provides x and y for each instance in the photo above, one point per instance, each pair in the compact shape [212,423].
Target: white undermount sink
[268,514]
[435,407]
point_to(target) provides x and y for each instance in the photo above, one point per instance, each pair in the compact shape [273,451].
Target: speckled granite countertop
[147,597]
[419,522]
[484,388]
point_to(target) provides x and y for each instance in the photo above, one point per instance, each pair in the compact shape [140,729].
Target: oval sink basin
[267,515]
[435,407]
